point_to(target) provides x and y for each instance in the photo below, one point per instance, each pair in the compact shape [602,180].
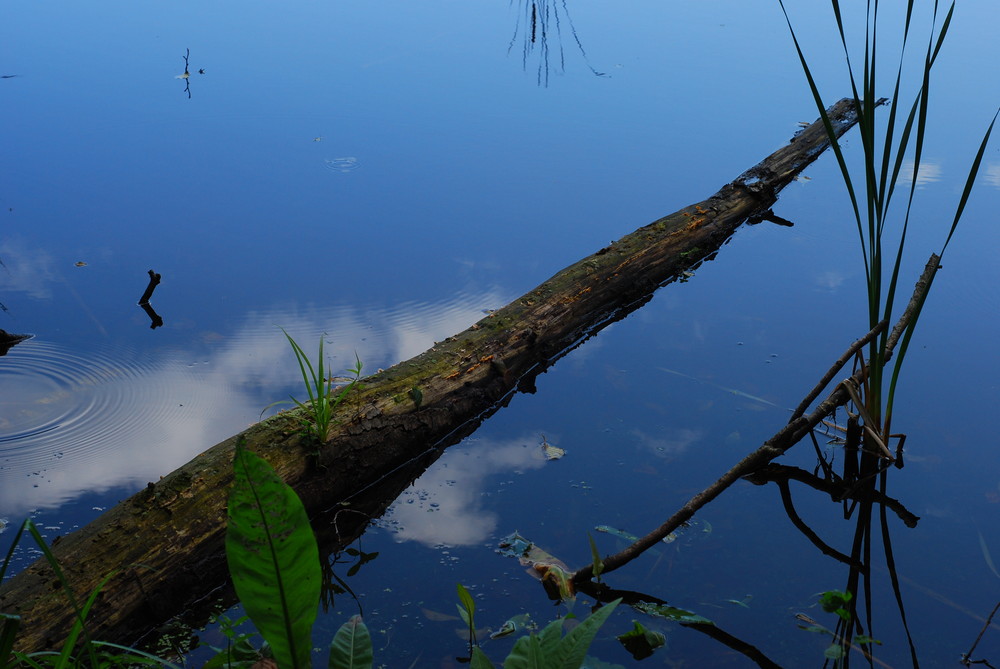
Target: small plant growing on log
[325,393]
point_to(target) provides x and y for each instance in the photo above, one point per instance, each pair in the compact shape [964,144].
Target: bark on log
[167,539]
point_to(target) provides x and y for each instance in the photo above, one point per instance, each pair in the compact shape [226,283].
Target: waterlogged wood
[167,539]
[796,430]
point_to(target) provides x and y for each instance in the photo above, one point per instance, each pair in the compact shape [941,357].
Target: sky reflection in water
[446,182]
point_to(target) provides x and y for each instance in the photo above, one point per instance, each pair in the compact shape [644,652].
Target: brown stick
[837,366]
[785,438]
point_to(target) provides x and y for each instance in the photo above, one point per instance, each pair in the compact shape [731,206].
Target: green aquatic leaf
[9,625]
[479,659]
[351,647]
[672,613]
[641,642]
[550,651]
[273,558]
[834,652]
[597,564]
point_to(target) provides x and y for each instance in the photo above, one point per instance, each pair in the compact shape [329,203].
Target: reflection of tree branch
[783,440]
[826,549]
[603,593]
[154,281]
[783,473]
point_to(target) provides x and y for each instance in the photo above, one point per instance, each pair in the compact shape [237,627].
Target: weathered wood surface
[166,541]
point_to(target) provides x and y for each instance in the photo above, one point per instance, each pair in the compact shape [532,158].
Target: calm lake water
[384,174]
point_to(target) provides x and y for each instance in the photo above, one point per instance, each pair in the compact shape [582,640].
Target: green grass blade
[78,625]
[9,625]
[136,656]
[10,552]
[834,143]
[351,647]
[970,181]
[273,558]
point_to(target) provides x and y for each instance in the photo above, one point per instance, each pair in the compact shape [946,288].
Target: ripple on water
[60,404]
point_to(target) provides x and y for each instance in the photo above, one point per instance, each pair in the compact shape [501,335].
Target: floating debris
[551,452]
[518,623]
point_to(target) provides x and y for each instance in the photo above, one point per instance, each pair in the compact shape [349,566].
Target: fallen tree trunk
[166,541]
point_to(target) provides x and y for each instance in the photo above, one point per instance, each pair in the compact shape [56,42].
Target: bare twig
[967,657]
[784,439]
[841,361]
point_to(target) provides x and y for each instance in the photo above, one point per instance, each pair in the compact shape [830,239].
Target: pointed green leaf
[572,649]
[273,559]
[597,564]
[479,660]
[527,654]
[351,648]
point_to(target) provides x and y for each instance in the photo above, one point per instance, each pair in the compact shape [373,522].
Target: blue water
[383,175]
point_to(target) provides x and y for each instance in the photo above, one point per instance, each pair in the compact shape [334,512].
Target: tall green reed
[871,186]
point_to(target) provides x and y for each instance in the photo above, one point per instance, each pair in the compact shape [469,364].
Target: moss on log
[166,541]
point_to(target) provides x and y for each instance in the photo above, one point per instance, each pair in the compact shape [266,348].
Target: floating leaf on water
[551,452]
[614,531]
[514,624]
[556,579]
[745,602]
[345,164]
[672,613]
[641,642]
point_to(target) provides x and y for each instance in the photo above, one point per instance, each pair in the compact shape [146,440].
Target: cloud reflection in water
[78,422]
[436,511]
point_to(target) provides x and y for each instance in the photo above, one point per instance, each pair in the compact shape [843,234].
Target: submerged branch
[783,440]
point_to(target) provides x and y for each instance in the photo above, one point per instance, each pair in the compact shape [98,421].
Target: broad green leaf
[479,660]
[527,654]
[467,610]
[551,635]
[273,559]
[351,648]
[572,649]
